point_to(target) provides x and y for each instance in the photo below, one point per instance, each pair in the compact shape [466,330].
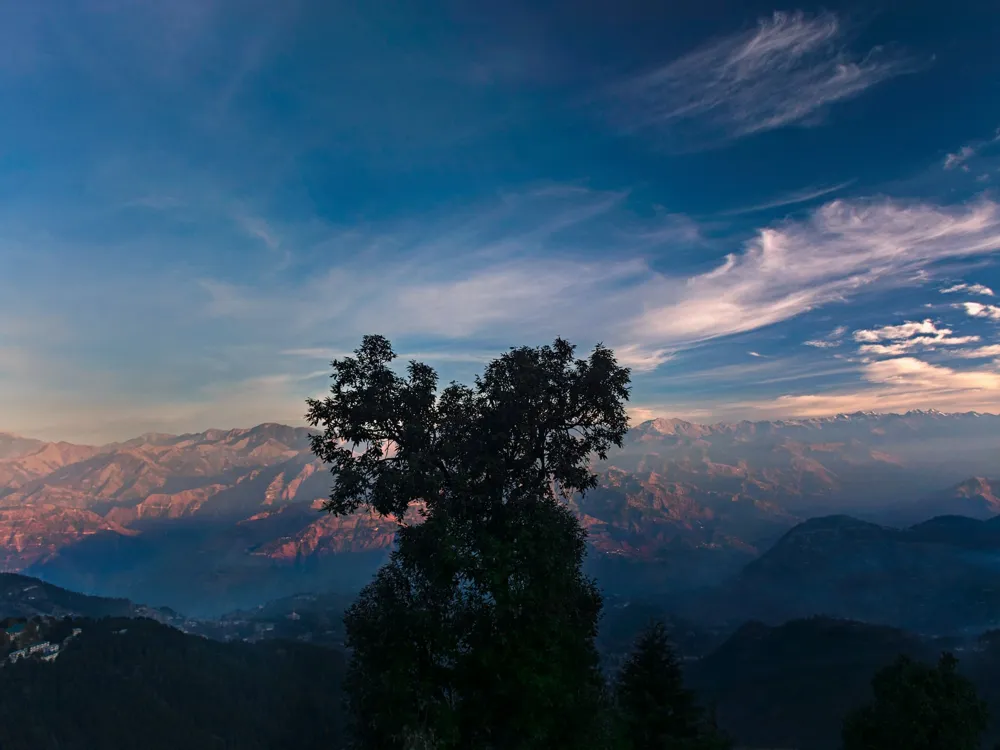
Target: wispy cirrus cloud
[958,159]
[833,339]
[641,359]
[843,249]
[791,199]
[258,228]
[460,287]
[787,70]
[525,264]
[970,288]
[475,281]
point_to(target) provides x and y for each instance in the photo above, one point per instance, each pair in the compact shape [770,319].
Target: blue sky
[768,211]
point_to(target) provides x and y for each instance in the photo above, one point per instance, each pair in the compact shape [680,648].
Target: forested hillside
[134,683]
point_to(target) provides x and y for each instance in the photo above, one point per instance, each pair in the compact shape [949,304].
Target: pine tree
[655,710]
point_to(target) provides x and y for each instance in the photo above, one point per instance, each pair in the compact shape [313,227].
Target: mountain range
[223,519]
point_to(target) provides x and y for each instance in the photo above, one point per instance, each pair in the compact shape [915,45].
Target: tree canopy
[919,707]
[532,419]
[479,632]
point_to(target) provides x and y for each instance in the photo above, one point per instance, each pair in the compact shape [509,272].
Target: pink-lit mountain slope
[232,508]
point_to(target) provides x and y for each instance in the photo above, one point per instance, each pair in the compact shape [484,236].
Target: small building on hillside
[12,634]
[43,649]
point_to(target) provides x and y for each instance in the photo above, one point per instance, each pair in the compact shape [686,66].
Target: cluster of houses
[44,650]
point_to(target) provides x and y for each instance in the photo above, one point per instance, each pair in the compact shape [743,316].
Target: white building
[44,649]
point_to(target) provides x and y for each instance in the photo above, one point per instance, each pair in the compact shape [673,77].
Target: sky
[767,211]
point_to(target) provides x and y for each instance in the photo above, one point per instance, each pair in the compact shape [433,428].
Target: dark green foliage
[533,418]
[479,632]
[502,663]
[155,688]
[655,710]
[790,686]
[919,707]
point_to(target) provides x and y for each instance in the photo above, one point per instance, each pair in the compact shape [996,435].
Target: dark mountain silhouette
[23,597]
[790,686]
[939,576]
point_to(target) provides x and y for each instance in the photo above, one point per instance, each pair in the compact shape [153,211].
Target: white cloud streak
[792,199]
[978,310]
[959,158]
[786,71]
[256,227]
[967,152]
[822,343]
[642,360]
[791,268]
[833,339]
[908,330]
[900,339]
[983,352]
[970,288]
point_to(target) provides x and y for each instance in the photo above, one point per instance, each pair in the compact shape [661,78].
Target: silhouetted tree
[655,710]
[918,707]
[479,632]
